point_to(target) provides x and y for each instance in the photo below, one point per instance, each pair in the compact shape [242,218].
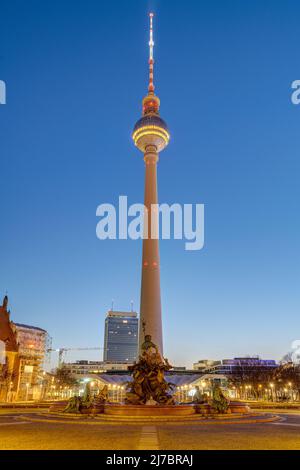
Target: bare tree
[251,381]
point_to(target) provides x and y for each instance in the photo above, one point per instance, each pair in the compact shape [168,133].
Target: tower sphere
[151,129]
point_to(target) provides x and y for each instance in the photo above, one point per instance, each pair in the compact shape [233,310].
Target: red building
[9,355]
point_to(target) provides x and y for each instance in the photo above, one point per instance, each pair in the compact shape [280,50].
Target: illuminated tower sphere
[151,136]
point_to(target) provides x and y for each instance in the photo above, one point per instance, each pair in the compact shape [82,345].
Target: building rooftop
[29,327]
[176,379]
[116,313]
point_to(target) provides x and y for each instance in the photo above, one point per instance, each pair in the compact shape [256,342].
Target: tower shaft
[150,308]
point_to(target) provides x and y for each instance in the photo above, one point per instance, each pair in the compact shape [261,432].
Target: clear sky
[76,73]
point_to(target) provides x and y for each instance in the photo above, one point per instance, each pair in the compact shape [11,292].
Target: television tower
[151,136]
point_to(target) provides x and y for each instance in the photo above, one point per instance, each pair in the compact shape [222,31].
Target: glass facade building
[238,365]
[121,337]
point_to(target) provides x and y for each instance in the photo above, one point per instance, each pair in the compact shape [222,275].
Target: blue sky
[75,80]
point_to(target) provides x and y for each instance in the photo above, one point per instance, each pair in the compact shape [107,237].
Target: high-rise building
[151,136]
[121,336]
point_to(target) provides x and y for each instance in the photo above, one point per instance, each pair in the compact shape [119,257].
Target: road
[24,429]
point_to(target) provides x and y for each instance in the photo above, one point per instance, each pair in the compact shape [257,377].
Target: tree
[287,378]
[250,380]
[64,377]
[258,381]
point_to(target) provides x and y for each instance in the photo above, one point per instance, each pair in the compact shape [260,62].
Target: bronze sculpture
[74,405]
[219,401]
[149,385]
[87,403]
[101,397]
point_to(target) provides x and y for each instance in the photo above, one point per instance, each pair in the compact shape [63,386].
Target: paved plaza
[34,429]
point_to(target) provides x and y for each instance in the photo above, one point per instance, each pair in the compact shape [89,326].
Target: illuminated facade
[243,365]
[83,368]
[33,344]
[151,136]
[238,365]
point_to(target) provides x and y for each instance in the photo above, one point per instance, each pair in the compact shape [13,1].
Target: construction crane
[62,352]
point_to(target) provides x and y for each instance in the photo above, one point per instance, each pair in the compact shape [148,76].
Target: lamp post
[27,389]
[9,396]
[259,391]
[272,391]
[290,394]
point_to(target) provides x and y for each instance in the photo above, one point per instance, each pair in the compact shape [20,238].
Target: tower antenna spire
[151,57]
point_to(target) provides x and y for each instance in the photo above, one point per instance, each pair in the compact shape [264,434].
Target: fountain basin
[117,409]
[149,410]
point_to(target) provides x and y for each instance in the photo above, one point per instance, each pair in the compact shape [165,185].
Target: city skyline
[226,98]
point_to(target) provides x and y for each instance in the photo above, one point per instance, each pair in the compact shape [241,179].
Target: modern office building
[121,337]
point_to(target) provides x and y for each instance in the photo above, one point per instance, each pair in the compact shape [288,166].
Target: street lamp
[291,393]
[27,389]
[9,398]
[272,390]
[247,387]
[259,391]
